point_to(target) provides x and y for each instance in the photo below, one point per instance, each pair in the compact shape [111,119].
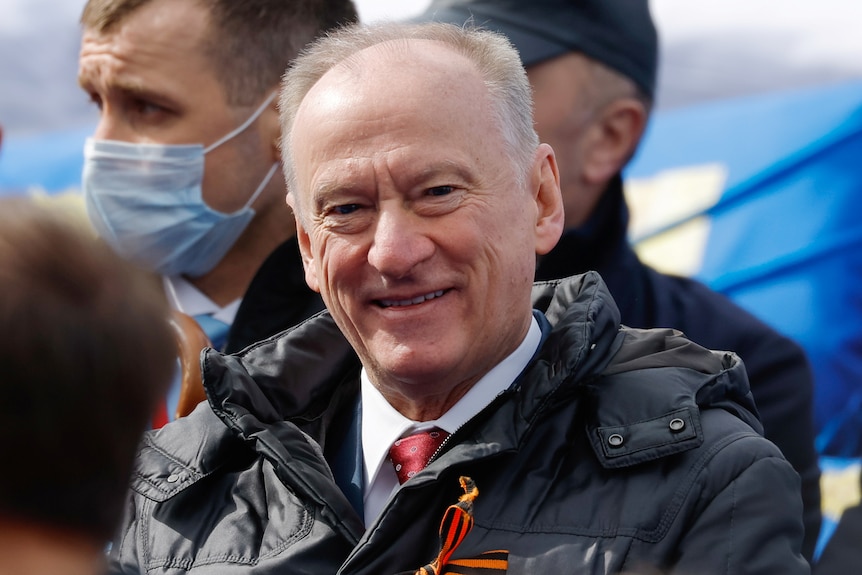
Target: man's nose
[400,241]
[111,126]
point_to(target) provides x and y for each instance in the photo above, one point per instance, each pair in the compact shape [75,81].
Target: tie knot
[411,454]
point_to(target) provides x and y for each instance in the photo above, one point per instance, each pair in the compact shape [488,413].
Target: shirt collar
[185,297]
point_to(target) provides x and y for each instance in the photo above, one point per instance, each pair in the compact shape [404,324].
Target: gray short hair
[495,58]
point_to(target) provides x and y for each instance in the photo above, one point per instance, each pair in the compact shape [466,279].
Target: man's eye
[441,190]
[345,209]
[345,219]
[144,108]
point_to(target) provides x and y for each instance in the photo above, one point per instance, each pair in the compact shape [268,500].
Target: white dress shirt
[185,297]
[382,424]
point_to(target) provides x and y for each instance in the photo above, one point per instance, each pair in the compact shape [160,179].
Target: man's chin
[412,369]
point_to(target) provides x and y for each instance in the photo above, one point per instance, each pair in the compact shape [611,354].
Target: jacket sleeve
[751,526]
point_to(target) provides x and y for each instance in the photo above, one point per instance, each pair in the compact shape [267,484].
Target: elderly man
[592,66]
[433,421]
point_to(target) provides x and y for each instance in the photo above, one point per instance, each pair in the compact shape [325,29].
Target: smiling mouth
[413,301]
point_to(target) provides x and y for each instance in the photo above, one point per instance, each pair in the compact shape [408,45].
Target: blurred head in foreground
[86,352]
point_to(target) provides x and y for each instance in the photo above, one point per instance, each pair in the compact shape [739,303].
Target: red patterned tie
[411,454]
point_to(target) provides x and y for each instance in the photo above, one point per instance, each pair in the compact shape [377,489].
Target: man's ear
[545,185]
[271,127]
[306,253]
[612,139]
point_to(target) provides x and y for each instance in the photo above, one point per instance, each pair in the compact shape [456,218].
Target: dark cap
[618,33]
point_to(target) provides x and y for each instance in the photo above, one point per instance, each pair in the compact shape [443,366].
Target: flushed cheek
[342,268]
[340,277]
[502,282]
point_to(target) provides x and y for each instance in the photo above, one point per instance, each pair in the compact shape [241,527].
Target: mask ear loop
[243,126]
[262,185]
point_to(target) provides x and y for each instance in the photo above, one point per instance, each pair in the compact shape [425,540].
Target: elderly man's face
[419,236]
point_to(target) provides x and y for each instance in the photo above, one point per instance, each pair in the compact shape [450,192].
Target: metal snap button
[676,424]
[615,440]
[173,478]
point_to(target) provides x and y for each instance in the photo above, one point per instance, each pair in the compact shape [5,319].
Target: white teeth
[414,301]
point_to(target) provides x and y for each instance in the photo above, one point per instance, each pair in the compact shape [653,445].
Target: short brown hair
[86,354]
[251,42]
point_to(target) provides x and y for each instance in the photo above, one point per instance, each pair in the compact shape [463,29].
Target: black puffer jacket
[242,485]
[779,374]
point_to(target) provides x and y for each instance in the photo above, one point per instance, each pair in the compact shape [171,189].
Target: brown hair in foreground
[86,353]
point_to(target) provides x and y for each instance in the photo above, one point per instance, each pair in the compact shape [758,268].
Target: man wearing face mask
[182,173]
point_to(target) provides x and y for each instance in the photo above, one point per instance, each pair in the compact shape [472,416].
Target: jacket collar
[306,373]
[298,384]
[309,377]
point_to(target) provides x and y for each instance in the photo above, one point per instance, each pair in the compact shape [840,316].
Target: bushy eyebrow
[132,89]
[445,167]
[325,189]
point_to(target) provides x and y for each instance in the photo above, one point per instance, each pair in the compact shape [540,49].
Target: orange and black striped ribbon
[457,523]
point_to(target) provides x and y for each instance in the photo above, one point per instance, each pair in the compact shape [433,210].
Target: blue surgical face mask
[146,201]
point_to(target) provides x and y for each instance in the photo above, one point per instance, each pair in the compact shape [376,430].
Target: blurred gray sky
[710,49]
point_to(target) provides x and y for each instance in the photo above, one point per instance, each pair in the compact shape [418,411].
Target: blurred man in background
[182,173]
[592,66]
[86,354]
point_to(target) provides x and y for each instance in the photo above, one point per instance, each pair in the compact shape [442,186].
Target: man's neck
[429,408]
[498,377]
[230,279]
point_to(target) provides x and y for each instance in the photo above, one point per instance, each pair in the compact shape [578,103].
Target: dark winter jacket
[781,379]
[614,449]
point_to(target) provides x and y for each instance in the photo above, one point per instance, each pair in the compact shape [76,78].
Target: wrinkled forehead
[412,105]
